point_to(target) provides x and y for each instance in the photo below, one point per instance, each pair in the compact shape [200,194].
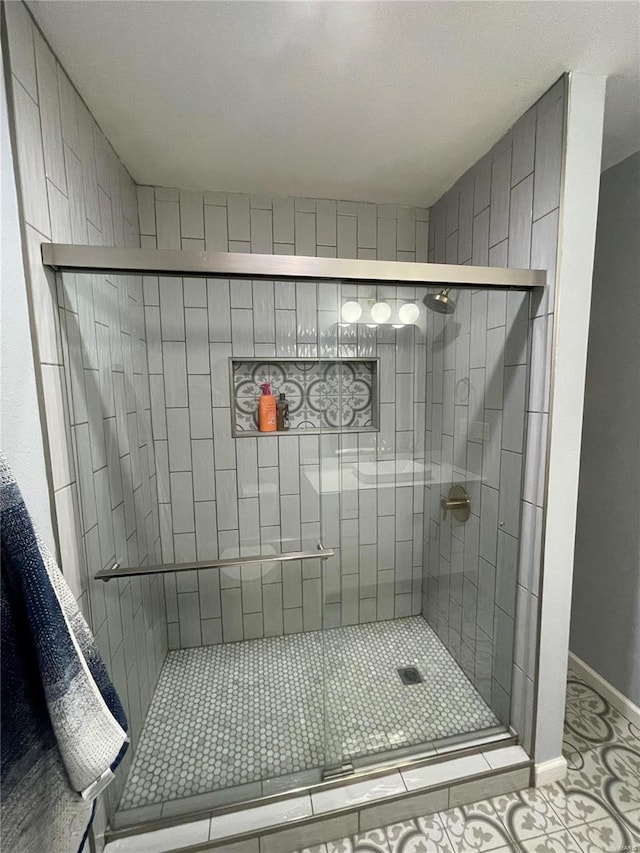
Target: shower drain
[409,675]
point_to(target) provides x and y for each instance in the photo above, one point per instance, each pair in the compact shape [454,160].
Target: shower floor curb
[315,816]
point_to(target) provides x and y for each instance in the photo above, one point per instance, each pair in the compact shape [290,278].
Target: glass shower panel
[400,723]
[376,468]
[475,395]
[282,671]
[330,531]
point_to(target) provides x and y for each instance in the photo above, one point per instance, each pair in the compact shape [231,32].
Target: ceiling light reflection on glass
[351,312]
[408,313]
[380,312]
[374,314]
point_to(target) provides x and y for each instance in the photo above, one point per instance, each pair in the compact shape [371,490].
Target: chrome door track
[337,773]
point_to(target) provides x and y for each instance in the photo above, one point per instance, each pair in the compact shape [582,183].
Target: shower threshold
[239,721]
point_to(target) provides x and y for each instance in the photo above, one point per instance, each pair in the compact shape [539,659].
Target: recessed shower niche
[324,395]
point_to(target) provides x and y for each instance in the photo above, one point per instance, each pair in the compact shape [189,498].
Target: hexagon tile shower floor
[227,715]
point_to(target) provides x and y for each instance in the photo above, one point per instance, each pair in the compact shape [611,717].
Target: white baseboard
[620,702]
[551,771]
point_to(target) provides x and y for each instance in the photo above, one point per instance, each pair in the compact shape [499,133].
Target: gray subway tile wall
[272,494]
[92,361]
[481,580]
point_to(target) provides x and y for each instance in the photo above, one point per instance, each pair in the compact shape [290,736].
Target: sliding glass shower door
[317,603]
[372,480]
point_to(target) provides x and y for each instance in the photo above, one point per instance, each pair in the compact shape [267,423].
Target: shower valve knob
[458,503]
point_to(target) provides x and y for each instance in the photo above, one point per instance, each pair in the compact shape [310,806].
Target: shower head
[440,302]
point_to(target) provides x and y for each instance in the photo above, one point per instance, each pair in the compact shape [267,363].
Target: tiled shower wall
[481,579]
[92,365]
[221,496]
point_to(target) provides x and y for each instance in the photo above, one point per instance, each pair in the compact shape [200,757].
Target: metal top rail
[117,571]
[62,256]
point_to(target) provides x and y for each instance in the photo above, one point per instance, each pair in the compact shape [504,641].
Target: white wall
[578,212]
[20,431]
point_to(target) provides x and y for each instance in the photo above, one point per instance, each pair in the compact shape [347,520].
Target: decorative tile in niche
[327,395]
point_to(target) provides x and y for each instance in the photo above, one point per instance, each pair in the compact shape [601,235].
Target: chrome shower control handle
[444,503]
[458,503]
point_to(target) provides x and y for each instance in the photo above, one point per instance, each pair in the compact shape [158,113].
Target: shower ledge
[314,816]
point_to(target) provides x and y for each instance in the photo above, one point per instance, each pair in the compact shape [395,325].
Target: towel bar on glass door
[116,571]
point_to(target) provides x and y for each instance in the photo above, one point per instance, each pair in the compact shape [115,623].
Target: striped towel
[63,728]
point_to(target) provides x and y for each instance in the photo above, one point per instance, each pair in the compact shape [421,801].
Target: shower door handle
[458,503]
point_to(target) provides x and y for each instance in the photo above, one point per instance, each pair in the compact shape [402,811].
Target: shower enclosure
[340,595]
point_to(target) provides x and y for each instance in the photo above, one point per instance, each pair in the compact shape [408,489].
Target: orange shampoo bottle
[267,409]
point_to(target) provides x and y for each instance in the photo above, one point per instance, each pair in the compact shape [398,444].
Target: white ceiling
[387,102]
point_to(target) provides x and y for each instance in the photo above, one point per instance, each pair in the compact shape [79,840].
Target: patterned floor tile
[630,755]
[556,842]
[426,835]
[574,807]
[475,828]
[374,841]
[605,836]
[573,758]
[632,820]
[527,814]
[510,848]
[227,715]
[599,801]
[590,721]
[605,781]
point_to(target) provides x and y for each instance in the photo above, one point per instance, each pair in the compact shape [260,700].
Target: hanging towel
[63,728]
